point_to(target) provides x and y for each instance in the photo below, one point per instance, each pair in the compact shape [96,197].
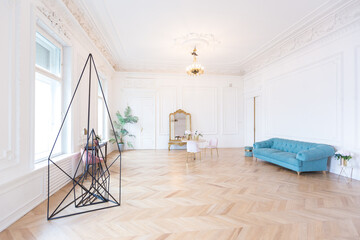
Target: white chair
[192,147]
[213,143]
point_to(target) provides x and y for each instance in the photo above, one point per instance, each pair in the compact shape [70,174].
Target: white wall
[22,186]
[312,94]
[216,109]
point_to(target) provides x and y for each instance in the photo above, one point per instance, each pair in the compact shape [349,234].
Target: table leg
[342,168]
[105,151]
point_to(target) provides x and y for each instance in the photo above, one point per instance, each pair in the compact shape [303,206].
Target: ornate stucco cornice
[90,28]
[55,21]
[347,13]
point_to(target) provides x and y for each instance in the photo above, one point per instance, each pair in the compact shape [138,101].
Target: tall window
[48,95]
[101,113]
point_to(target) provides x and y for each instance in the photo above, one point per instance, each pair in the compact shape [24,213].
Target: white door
[146,113]
[143,106]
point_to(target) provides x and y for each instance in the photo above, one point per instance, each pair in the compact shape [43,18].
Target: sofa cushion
[291,146]
[267,152]
[278,155]
[287,157]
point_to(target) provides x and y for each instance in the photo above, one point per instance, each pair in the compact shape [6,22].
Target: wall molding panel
[8,149]
[201,102]
[230,111]
[167,103]
[203,97]
[328,64]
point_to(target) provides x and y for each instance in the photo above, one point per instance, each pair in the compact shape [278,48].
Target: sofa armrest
[318,152]
[263,144]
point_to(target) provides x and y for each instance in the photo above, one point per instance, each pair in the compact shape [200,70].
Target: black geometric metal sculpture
[91,188]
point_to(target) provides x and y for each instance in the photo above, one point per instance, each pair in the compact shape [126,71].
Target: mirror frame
[173,141]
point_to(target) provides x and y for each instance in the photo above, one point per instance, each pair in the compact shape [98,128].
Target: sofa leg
[298,173]
[324,172]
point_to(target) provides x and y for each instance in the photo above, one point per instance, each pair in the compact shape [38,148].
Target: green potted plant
[343,156]
[119,125]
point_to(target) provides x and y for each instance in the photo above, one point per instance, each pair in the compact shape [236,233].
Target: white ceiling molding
[345,14]
[110,26]
[91,30]
[141,39]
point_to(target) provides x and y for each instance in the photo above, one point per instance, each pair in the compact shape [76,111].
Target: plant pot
[343,162]
[121,147]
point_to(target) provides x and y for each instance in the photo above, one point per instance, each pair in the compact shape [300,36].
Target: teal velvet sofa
[295,155]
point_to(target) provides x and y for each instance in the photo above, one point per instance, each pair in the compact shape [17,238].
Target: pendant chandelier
[195,69]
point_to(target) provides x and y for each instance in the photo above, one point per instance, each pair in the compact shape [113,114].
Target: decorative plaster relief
[302,37]
[198,40]
[87,25]
[56,21]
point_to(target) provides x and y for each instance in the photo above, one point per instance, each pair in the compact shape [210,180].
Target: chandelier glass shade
[195,69]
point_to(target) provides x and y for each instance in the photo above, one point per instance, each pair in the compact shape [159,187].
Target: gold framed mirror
[179,122]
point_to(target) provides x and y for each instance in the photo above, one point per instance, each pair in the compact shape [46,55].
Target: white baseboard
[19,197]
[20,212]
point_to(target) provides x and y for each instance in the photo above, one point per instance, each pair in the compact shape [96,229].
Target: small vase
[343,162]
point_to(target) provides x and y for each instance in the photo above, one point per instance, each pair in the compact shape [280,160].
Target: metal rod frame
[99,190]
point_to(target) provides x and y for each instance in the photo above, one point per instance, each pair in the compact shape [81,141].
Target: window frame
[104,112]
[56,44]
[47,74]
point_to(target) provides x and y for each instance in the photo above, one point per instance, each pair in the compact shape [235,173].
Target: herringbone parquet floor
[230,197]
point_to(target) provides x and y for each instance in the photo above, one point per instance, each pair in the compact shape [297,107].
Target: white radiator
[59,179]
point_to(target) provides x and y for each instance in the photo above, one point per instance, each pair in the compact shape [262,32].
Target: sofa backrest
[292,146]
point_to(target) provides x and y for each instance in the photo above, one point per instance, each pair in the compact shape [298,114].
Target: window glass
[42,56]
[48,55]
[47,115]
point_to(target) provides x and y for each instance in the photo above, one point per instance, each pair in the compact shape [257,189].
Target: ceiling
[141,34]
